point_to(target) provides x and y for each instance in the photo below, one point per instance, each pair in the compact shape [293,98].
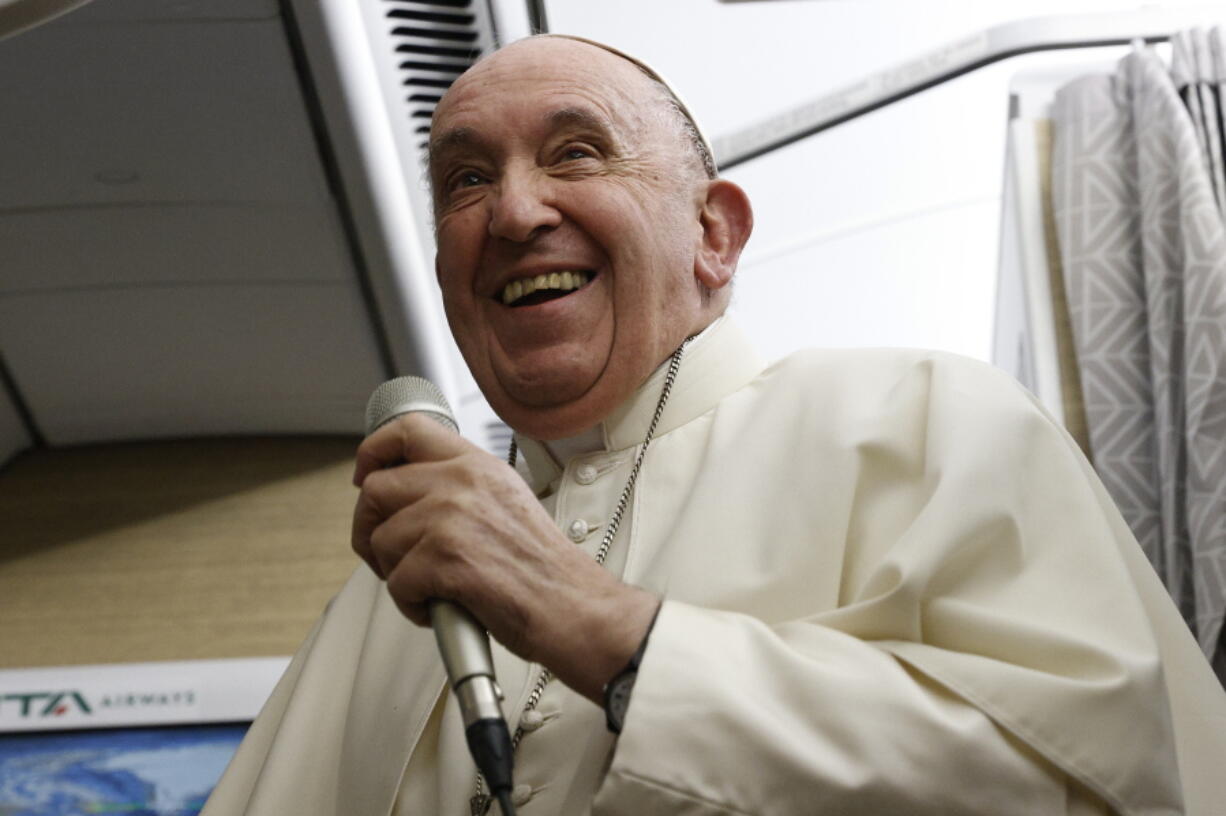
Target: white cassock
[892,585]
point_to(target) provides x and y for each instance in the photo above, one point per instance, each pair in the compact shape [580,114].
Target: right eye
[469,178]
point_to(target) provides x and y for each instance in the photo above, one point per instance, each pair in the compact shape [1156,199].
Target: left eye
[573,153]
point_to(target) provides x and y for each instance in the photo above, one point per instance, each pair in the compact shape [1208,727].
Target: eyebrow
[578,117]
[451,140]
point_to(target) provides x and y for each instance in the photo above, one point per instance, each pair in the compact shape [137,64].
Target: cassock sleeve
[806,719]
[991,653]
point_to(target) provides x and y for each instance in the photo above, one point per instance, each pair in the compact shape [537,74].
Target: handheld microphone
[462,641]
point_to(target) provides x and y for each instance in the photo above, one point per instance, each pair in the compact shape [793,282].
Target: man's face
[556,157]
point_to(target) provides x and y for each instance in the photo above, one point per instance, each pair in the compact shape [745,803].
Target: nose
[522,207]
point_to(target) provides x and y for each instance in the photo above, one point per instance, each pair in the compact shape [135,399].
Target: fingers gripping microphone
[462,641]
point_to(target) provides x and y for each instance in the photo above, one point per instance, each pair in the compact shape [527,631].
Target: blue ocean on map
[166,771]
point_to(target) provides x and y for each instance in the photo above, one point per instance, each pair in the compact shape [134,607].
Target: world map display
[165,771]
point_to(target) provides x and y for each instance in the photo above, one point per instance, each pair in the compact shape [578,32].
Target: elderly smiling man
[852,582]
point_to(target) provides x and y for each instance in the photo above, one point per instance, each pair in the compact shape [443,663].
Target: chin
[544,383]
[546,393]
[575,395]
[555,420]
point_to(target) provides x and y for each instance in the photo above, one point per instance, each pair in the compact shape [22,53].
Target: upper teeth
[563,281]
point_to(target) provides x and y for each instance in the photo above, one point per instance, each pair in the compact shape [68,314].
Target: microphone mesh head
[405,395]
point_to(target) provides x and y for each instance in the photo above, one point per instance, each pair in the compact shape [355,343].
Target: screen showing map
[162,771]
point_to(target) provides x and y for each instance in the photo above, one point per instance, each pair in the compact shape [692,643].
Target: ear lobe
[727,221]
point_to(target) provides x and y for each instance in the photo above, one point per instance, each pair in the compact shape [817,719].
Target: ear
[727,220]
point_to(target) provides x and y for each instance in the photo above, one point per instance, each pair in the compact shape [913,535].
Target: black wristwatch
[617,691]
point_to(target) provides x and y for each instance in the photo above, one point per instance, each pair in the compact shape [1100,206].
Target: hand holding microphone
[462,641]
[439,518]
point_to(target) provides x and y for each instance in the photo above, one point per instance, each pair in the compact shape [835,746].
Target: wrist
[603,639]
[617,691]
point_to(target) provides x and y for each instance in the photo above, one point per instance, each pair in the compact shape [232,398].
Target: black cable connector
[489,741]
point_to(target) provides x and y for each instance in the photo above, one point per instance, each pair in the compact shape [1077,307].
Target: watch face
[619,699]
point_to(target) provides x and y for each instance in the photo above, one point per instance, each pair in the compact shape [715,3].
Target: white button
[531,720]
[520,795]
[586,474]
[578,530]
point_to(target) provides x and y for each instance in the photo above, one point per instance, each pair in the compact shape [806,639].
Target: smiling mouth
[541,288]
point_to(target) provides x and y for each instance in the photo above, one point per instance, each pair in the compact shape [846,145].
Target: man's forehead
[541,96]
[580,82]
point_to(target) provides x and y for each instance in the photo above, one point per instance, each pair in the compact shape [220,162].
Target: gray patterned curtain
[1139,193]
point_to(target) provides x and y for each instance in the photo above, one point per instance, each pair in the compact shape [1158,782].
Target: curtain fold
[1139,193]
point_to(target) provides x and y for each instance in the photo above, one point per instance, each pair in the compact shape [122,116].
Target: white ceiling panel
[173,259]
[153,112]
[123,246]
[183,361]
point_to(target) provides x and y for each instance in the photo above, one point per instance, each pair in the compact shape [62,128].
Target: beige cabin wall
[171,550]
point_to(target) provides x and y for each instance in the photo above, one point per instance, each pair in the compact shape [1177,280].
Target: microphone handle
[465,647]
[462,640]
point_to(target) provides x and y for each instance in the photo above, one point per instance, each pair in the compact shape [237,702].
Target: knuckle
[398,583]
[377,540]
[376,484]
[451,509]
[404,585]
[364,519]
[448,580]
[386,544]
[366,508]
[458,575]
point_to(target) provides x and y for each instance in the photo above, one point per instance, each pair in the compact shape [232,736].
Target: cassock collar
[717,362]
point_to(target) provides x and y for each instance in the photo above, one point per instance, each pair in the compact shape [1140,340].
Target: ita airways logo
[81,705]
[28,705]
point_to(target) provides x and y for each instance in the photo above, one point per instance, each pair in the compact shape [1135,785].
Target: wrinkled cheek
[455,282]
[459,239]
[466,330]
[456,317]
[465,323]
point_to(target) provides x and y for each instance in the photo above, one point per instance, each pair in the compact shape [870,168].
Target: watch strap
[631,668]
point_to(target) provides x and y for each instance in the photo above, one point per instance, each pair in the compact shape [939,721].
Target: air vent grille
[419,48]
[431,16]
[435,42]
